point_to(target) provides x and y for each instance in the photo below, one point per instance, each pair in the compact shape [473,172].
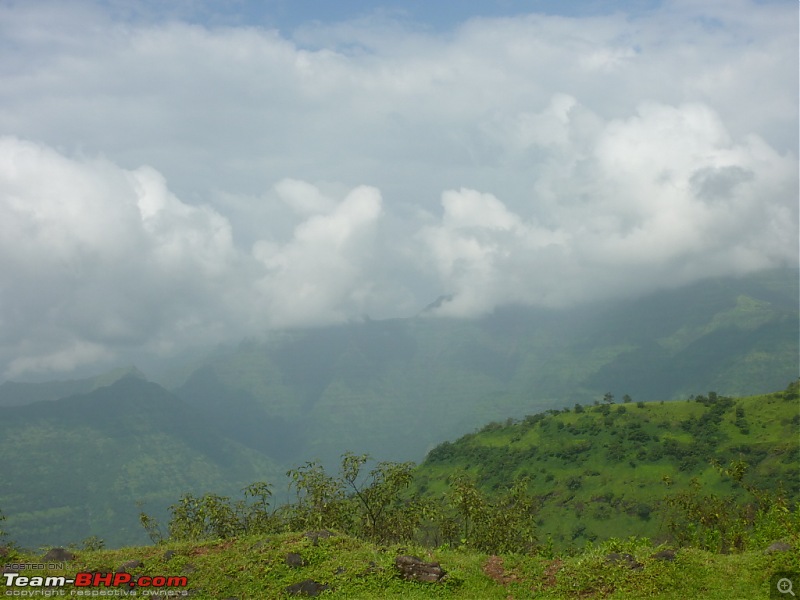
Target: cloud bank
[166,185]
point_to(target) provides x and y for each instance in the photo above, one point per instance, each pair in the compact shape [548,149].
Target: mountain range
[78,455]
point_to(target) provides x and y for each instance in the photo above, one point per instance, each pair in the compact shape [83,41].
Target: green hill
[76,467]
[604,471]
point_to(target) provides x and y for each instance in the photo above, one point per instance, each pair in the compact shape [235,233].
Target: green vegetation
[616,470]
[491,491]
[255,567]
[720,493]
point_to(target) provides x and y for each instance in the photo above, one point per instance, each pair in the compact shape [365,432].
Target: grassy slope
[602,476]
[255,568]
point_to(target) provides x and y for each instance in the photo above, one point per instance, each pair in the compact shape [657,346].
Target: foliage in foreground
[727,512]
[375,507]
[256,567]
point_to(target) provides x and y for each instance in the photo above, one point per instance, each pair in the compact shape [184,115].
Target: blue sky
[177,177]
[440,15]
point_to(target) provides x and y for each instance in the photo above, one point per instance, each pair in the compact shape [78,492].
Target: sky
[179,175]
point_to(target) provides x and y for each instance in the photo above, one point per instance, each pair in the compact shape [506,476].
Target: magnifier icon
[785,586]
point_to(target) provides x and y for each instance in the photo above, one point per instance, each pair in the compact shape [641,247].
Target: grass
[256,568]
[605,471]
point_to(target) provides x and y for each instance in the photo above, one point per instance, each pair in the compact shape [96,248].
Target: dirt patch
[224,545]
[494,568]
[549,575]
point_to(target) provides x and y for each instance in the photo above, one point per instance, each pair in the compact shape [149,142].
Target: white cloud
[372,165]
[659,199]
[319,275]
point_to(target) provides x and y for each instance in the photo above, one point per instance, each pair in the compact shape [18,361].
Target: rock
[778,547]
[293,559]
[189,568]
[625,560]
[308,587]
[316,536]
[58,555]
[667,554]
[129,565]
[413,568]
[169,554]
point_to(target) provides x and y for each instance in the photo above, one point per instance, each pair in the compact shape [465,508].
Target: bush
[723,524]
[506,524]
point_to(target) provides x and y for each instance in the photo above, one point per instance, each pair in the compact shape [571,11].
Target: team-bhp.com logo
[95,584]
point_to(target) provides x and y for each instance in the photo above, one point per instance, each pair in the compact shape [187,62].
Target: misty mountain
[394,388]
[14,393]
[77,466]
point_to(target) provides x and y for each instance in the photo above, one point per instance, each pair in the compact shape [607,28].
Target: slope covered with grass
[605,471]
[256,568]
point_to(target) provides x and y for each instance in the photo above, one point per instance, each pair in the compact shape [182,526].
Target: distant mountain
[394,388]
[14,393]
[76,467]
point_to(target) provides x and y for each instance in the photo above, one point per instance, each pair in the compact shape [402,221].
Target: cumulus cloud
[656,199]
[323,268]
[165,184]
[98,260]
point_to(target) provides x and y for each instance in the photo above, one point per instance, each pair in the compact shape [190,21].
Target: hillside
[604,471]
[395,388]
[258,567]
[77,466]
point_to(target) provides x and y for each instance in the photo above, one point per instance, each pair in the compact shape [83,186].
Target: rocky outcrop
[667,554]
[413,568]
[778,547]
[294,560]
[58,555]
[623,560]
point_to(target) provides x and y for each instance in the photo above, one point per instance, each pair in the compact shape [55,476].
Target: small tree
[467,499]
[320,499]
[150,525]
[504,524]
[207,517]
[257,517]
[386,516]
